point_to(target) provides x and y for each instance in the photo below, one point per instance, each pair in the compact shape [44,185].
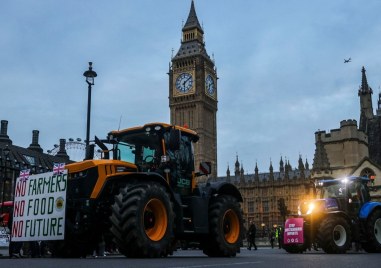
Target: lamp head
[90,74]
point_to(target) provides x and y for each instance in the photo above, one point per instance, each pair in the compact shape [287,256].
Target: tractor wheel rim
[339,235]
[231,226]
[377,230]
[155,219]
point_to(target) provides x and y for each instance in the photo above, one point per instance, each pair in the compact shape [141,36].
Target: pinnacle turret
[366,108]
[192,21]
[281,165]
[364,88]
[321,162]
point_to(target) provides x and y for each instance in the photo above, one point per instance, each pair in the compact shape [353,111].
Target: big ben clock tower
[193,90]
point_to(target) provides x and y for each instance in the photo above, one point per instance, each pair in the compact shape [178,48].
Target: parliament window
[265,206]
[250,207]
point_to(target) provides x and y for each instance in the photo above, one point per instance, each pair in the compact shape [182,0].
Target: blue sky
[280,67]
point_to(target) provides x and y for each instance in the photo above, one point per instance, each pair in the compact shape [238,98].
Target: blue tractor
[341,214]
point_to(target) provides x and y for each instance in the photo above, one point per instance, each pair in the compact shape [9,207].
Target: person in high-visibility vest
[279,236]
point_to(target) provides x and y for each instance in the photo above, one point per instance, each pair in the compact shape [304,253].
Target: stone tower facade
[193,90]
[338,152]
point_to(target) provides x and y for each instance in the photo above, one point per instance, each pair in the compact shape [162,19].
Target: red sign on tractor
[293,231]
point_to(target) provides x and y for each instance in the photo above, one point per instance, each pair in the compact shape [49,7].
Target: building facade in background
[14,158]
[261,192]
[339,151]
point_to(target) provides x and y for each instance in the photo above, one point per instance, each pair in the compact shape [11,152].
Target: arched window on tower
[367,172]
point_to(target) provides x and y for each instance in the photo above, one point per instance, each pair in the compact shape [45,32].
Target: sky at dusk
[280,64]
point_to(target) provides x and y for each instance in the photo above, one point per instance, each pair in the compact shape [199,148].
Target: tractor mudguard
[367,208]
[220,188]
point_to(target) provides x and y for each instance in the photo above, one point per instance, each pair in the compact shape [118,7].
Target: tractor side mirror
[174,139]
[103,147]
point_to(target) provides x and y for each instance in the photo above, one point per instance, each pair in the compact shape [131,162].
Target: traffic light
[282,207]
[372,179]
[280,204]
[283,212]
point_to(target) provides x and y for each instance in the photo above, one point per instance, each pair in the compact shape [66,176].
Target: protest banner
[39,207]
[293,231]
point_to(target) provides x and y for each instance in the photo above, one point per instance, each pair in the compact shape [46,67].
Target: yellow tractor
[142,196]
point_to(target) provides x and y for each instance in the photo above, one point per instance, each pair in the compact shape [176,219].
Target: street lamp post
[90,75]
[4,156]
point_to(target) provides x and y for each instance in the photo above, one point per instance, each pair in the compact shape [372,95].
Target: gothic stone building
[193,90]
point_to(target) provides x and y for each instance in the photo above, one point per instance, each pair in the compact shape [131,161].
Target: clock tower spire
[193,90]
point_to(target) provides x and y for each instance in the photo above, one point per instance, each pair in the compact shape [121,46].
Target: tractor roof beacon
[143,196]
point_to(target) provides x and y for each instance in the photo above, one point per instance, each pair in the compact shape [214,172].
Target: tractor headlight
[306,208]
[311,207]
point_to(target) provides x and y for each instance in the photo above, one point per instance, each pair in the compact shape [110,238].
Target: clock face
[184,82]
[209,85]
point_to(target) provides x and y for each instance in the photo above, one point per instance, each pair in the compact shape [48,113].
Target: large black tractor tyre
[142,221]
[225,227]
[373,233]
[334,235]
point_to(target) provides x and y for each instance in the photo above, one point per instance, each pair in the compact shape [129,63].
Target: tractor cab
[354,188]
[348,194]
[159,148]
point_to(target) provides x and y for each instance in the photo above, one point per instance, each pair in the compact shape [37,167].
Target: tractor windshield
[331,191]
[142,149]
[354,190]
